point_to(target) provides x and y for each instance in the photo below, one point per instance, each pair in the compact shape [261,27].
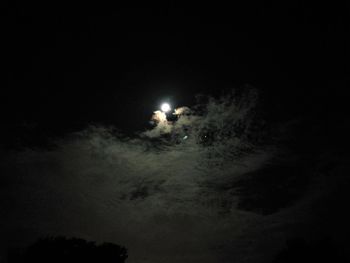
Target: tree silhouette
[61,249]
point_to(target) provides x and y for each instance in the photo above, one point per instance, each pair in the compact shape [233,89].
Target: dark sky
[66,65]
[262,160]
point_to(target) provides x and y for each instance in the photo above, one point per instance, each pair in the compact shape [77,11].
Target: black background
[66,65]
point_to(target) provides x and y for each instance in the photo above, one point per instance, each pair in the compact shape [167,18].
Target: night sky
[257,156]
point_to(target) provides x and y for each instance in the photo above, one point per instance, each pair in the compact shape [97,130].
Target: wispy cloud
[150,192]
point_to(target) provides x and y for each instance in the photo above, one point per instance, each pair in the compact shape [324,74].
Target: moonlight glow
[165,107]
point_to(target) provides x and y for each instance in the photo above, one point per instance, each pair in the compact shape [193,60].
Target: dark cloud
[202,190]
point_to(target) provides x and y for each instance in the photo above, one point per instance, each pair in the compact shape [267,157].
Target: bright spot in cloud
[165,107]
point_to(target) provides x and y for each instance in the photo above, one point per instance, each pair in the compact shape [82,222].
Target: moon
[165,107]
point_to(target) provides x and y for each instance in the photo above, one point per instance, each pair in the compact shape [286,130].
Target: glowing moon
[165,107]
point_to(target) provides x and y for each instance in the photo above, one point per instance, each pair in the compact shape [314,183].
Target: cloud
[151,192]
[182,110]
[162,125]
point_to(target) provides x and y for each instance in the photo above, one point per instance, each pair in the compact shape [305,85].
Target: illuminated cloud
[159,117]
[182,110]
[150,193]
